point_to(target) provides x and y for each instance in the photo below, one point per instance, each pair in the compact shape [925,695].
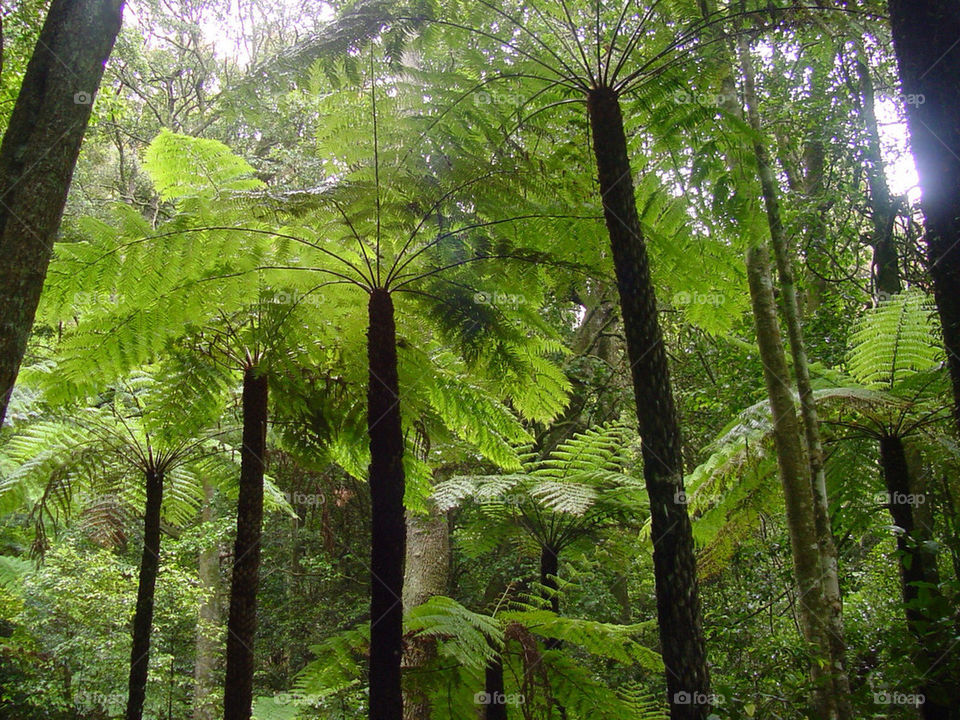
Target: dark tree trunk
[549,571]
[493,689]
[242,624]
[886,257]
[675,571]
[143,616]
[549,567]
[925,36]
[388,532]
[37,158]
[917,567]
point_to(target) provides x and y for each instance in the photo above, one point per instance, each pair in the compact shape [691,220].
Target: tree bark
[493,688]
[208,622]
[886,257]
[388,533]
[798,495]
[678,604]
[830,582]
[242,622]
[426,574]
[37,158]
[925,36]
[917,568]
[146,587]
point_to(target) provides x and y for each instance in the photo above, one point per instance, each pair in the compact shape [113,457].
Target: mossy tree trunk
[37,159]
[832,607]
[426,574]
[798,495]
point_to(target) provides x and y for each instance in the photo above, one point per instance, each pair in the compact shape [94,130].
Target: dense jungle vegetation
[479,359]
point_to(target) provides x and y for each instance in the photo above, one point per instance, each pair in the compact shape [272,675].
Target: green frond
[894,340]
[181,166]
[465,637]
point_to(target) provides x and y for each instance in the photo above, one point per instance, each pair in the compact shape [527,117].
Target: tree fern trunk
[798,495]
[493,688]
[37,158]
[916,570]
[388,532]
[830,582]
[242,622]
[143,616]
[678,605]
[925,36]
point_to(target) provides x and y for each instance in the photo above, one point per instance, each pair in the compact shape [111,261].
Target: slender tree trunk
[917,568]
[675,570]
[797,492]
[143,616]
[242,622]
[925,36]
[37,158]
[426,573]
[886,258]
[388,531]
[208,620]
[833,607]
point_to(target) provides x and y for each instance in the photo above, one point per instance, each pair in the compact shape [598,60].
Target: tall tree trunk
[797,492]
[37,158]
[886,258]
[917,568]
[426,573]
[388,532]
[143,616]
[925,36]
[675,570]
[209,619]
[242,622]
[833,604]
